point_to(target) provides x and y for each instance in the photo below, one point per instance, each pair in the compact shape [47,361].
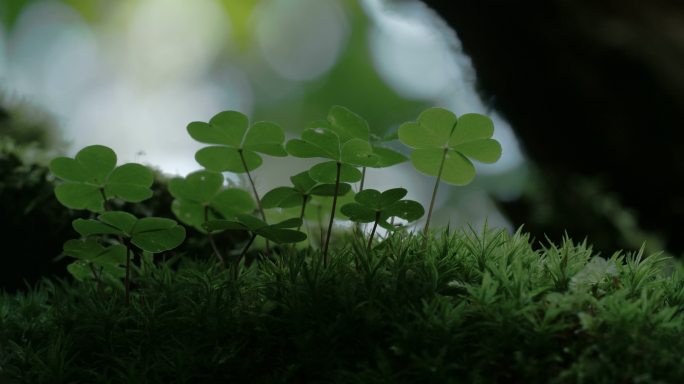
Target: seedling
[236,145]
[304,187]
[280,233]
[343,147]
[201,197]
[444,145]
[150,234]
[91,180]
[371,206]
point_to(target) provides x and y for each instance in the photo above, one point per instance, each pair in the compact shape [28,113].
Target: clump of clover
[372,206]
[444,144]
[344,139]
[201,197]
[236,145]
[90,180]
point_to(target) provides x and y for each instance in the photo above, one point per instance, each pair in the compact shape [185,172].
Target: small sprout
[150,234]
[200,197]
[280,233]
[444,145]
[371,206]
[304,187]
[92,177]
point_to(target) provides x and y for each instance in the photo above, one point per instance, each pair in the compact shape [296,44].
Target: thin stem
[301,214]
[104,199]
[236,267]
[434,193]
[363,178]
[332,215]
[251,182]
[375,226]
[256,194]
[127,281]
[211,238]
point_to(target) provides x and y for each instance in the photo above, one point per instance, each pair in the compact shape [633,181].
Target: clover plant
[341,140]
[91,179]
[236,145]
[444,146]
[372,206]
[280,233]
[349,125]
[302,190]
[201,197]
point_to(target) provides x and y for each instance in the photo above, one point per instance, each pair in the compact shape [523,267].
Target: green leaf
[83,249]
[199,186]
[190,212]
[387,157]
[265,137]
[347,124]
[89,227]
[130,182]
[282,197]
[471,127]
[92,172]
[282,236]
[433,129]
[457,169]
[68,169]
[80,271]
[232,201]
[358,152]
[485,151]
[329,190]
[156,234]
[408,210]
[224,159]
[303,182]
[226,128]
[97,161]
[123,221]
[369,198]
[325,143]
[359,213]
[392,196]
[326,172]
[80,196]
[251,222]
[222,225]
[289,223]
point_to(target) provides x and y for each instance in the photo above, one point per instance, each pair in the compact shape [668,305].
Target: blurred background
[583,95]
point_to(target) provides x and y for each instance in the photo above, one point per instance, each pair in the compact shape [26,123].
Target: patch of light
[411,53]
[173,40]
[300,39]
[52,55]
[147,127]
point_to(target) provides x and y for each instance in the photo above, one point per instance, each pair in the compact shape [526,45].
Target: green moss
[482,307]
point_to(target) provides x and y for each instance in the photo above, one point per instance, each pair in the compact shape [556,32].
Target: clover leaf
[151,234]
[444,146]
[438,136]
[92,177]
[373,206]
[94,258]
[200,197]
[236,144]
